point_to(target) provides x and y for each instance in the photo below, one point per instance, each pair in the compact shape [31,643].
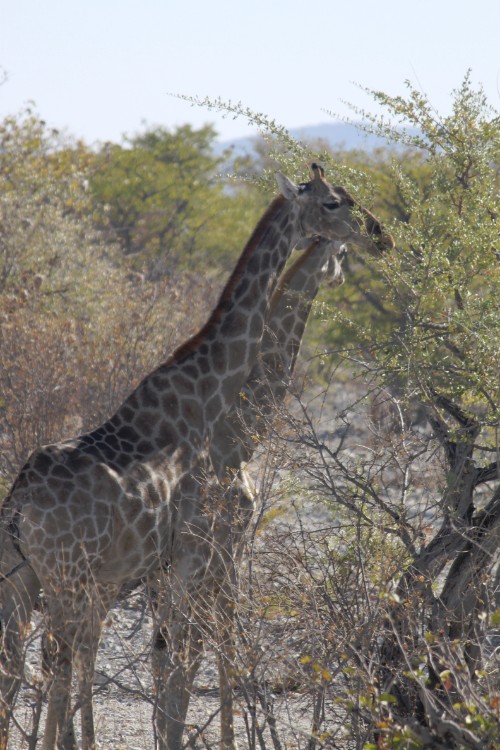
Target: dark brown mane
[259,232]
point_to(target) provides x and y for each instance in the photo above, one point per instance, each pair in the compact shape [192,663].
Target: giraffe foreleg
[59,731]
[85,664]
[66,611]
[84,639]
[176,658]
[88,643]
[224,634]
[224,574]
[49,653]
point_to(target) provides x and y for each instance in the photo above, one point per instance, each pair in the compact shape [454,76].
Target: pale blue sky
[100,68]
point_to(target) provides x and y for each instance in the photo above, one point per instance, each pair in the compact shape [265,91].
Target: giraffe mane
[185,349]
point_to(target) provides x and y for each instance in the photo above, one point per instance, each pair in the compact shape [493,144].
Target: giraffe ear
[288,188]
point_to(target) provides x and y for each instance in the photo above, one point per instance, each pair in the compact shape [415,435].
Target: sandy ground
[123,711]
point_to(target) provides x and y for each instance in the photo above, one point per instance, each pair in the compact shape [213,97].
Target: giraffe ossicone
[90,514]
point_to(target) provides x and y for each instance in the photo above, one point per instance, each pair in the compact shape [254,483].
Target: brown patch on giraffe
[41,462]
[145,448]
[167,435]
[146,421]
[219,356]
[170,405]
[61,472]
[236,354]
[128,434]
[207,385]
[203,365]
[126,413]
[213,407]
[148,395]
[192,410]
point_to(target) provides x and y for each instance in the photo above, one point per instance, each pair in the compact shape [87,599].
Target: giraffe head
[332,213]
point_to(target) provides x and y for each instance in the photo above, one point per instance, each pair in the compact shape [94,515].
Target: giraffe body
[90,514]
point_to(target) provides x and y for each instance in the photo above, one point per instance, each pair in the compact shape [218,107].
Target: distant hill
[336,134]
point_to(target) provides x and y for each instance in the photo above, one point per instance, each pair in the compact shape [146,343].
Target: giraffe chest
[141,523]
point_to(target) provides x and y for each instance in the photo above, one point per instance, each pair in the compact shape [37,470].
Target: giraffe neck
[175,407]
[233,440]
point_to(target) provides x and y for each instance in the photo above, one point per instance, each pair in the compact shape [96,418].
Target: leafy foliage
[395,619]
[161,197]
[429,475]
[421,328]
[77,329]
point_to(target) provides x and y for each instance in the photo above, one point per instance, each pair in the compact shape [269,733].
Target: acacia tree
[433,487]
[442,292]
[409,579]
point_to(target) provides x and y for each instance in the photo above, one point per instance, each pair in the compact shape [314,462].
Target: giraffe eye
[332,205]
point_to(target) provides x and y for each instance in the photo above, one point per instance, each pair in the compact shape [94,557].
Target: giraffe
[230,447]
[208,586]
[87,515]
